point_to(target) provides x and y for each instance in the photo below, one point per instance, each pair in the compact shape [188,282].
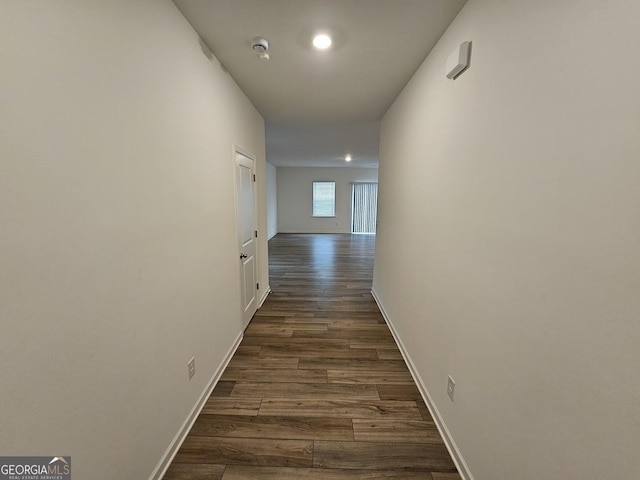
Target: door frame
[239,150]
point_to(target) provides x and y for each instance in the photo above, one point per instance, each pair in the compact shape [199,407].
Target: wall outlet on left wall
[192,367]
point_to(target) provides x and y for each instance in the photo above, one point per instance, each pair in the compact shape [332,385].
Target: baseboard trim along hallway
[178,440]
[456,455]
[264,296]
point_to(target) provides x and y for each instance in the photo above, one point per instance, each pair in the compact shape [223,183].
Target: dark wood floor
[317,388]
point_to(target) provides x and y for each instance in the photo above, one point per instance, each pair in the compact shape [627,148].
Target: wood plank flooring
[318,388]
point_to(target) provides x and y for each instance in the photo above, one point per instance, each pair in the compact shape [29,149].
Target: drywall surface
[117,229]
[272,200]
[508,238]
[295,198]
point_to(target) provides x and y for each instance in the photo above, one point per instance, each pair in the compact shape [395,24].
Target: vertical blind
[324,199]
[364,208]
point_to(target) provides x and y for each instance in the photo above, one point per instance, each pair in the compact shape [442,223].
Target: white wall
[507,249]
[295,198]
[117,237]
[272,200]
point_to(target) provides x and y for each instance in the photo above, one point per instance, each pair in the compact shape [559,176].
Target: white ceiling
[318,106]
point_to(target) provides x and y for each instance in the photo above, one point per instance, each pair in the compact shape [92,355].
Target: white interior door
[245,188]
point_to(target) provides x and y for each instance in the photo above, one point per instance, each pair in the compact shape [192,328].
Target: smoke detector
[260,45]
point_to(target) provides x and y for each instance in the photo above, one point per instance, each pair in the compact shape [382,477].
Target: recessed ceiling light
[347,158]
[322,41]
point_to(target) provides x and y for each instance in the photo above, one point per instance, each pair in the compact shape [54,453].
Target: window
[364,207]
[324,199]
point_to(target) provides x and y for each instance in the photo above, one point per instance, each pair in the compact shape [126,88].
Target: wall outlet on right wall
[451,388]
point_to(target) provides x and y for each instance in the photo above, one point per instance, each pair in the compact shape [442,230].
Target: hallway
[317,388]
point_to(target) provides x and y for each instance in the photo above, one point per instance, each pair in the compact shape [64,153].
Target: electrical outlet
[192,367]
[451,388]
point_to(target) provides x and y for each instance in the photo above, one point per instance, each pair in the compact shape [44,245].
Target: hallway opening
[318,387]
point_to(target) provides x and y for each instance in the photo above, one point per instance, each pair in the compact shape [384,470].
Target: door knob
[242,255]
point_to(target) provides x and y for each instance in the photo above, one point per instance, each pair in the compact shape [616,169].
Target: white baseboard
[264,296]
[179,438]
[461,465]
[311,231]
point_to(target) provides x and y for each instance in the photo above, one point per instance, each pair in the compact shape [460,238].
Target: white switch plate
[451,388]
[192,367]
